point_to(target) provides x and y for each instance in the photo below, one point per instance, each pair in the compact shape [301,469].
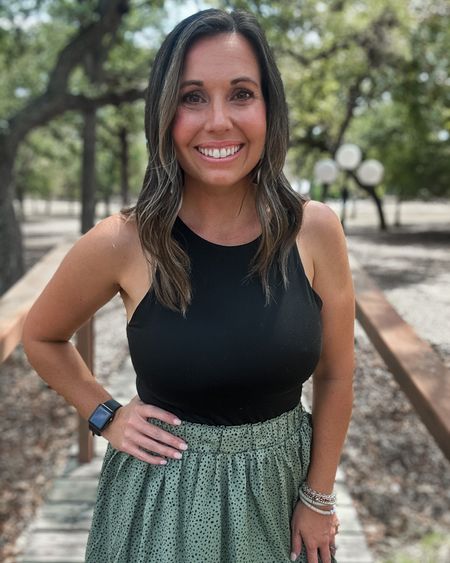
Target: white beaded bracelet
[316,498]
[312,507]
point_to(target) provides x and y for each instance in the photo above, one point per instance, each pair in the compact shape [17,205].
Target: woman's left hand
[316,531]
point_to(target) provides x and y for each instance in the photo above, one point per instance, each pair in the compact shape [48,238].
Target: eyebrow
[232,82]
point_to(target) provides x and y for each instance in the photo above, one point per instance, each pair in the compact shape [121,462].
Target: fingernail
[176,421]
[178,455]
[183,446]
[293,556]
[163,462]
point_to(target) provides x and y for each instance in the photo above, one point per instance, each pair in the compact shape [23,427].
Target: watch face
[100,417]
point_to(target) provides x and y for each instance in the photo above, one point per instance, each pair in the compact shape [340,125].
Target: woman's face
[220,124]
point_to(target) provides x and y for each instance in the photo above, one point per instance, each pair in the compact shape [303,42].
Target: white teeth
[219,153]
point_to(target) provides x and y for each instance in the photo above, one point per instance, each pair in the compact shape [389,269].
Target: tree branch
[42,110]
[55,100]
[353,93]
[307,61]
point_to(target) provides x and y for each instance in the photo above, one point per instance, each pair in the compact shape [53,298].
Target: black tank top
[232,360]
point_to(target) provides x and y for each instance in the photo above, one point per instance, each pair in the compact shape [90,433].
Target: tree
[342,60]
[96,35]
[407,127]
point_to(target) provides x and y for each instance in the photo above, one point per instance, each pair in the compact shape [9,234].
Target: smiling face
[220,124]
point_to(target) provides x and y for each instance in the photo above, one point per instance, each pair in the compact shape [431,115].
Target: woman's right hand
[130,432]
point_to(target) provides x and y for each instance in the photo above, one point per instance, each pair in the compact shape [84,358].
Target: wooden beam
[415,365]
[17,301]
[14,307]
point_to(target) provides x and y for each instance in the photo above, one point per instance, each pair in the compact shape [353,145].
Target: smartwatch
[102,416]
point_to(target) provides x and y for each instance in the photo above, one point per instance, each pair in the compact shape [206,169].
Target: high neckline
[186,228]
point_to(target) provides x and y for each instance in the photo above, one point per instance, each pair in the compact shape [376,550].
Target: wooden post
[85,346]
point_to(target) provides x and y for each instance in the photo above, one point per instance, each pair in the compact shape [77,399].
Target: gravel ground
[396,473]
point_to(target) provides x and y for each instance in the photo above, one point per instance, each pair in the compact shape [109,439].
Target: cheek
[259,126]
[183,128]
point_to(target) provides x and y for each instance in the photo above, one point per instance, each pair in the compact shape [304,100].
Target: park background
[72,150]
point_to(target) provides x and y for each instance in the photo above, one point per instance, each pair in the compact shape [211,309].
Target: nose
[219,118]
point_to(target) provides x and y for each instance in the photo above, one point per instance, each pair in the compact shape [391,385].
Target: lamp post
[325,172]
[348,157]
[370,173]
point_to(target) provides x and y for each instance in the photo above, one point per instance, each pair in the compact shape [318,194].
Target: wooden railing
[417,368]
[419,371]
[14,306]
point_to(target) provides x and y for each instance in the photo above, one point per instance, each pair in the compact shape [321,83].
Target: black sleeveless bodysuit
[232,360]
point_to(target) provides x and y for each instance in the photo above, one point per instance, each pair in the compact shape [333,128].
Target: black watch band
[102,416]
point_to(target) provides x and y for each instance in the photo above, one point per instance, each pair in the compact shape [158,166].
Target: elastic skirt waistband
[240,438]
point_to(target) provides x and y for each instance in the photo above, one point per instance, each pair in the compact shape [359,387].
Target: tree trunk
[124,186]
[107,202]
[371,190]
[379,205]
[398,203]
[19,191]
[88,172]
[324,192]
[11,255]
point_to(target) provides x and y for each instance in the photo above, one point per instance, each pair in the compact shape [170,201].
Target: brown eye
[243,95]
[191,98]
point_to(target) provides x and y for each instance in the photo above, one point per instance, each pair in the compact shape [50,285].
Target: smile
[223,152]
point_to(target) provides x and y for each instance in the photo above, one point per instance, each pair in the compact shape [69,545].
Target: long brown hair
[278,206]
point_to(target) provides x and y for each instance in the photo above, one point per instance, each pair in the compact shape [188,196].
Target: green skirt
[228,500]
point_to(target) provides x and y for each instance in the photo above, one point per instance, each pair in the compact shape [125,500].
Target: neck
[226,215]
[218,209]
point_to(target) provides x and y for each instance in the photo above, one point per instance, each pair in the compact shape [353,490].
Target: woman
[250,292]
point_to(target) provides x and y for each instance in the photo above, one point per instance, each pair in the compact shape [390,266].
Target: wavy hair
[279,207]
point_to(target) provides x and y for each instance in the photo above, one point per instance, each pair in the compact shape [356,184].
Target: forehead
[219,56]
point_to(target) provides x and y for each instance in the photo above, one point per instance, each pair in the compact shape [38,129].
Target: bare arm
[88,277]
[333,376]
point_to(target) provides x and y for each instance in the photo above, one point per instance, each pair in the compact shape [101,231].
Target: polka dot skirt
[228,500]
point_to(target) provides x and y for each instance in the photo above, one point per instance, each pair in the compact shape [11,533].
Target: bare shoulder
[325,240]
[113,241]
[111,234]
[320,221]
[87,278]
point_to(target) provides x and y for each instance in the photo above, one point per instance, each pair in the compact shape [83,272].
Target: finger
[325,553]
[150,411]
[311,553]
[156,447]
[296,544]
[161,435]
[143,456]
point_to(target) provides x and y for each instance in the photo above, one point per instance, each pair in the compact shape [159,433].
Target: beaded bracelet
[316,498]
[318,510]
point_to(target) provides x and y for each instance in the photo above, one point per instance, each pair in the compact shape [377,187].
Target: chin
[225,181]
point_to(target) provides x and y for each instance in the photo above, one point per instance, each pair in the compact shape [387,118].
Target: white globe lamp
[348,156]
[370,173]
[326,171]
